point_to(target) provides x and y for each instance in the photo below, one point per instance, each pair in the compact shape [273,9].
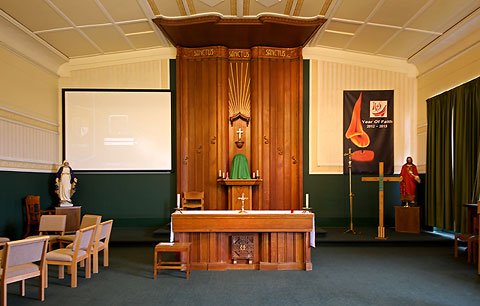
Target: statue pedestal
[235,189]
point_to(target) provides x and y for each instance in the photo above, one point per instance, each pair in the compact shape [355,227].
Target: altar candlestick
[306,200]
[178,200]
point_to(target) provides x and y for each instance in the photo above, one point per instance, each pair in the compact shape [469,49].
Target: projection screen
[117,130]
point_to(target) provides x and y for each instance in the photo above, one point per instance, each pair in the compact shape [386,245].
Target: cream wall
[28,115]
[332,72]
[147,69]
[446,75]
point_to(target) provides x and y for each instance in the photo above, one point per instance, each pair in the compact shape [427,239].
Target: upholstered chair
[87,220]
[53,226]
[19,263]
[70,257]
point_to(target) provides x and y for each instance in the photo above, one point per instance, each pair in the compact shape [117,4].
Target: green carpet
[342,275]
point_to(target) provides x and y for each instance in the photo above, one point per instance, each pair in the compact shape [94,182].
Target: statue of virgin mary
[65,184]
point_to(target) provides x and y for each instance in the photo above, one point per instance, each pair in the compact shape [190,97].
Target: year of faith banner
[368,130]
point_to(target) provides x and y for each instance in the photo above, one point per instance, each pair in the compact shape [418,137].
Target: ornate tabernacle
[242,248]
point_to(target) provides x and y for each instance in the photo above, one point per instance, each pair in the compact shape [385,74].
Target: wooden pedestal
[235,190]
[73,214]
[407,219]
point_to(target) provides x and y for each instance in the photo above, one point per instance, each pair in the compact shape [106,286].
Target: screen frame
[172,129]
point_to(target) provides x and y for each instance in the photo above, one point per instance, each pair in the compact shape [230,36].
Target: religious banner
[368,130]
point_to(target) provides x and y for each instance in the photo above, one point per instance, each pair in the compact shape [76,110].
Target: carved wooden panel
[277,142]
[264,84]
[202,122]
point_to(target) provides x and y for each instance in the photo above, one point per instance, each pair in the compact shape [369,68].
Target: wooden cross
[239,132]
[380,179]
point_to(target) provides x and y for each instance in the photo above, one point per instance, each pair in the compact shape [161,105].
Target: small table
[407,219]
[173,265]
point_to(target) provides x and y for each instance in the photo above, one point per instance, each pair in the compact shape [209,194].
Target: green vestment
[239,168]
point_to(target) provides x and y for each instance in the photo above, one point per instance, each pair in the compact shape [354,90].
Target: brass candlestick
[306,210]
[349,154]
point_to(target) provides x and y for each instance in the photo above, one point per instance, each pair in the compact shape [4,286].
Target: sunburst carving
[239,89]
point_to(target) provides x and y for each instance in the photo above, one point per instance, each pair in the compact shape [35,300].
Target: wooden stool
[174,265]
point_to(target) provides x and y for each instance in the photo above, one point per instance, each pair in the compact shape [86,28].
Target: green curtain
[476,186]
[466,148]
[453,149]
[438,210]
[239,168]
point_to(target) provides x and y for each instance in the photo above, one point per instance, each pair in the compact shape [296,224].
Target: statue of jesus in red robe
[410,177]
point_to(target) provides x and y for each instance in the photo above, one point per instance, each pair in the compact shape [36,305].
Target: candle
[178,200]
[257,174]
[253,174]
[219,173]
[306,200]
[223,175]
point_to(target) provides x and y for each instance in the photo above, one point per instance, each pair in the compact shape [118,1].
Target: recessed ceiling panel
[333,40]
[107,38]
[147,40]
[371,38]
[136,27]
[407,43]
[311,8]
[343,27]
[222,8]
[168,7]
[256,8]
[355,9]
[437,17]
[123,10]
[36,15]
[388,13]
[69,42]
[81,12]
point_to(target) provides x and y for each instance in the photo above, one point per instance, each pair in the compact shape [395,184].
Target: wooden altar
[281,239]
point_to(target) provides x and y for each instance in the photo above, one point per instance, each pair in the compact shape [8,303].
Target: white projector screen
[117,130]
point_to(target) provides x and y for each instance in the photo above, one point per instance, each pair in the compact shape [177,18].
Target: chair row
[17,261]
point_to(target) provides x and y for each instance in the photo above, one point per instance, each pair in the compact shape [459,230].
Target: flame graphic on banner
[355,131]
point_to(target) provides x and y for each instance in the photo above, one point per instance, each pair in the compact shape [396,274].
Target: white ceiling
[392,28]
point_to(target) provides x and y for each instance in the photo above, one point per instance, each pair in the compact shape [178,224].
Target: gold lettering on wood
[275,52]
[239,53]
[204,52]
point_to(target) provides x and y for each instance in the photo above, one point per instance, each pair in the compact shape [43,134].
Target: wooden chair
[53,226]
[18,265]
[102,239]
[32,204]
[70,257]
[87,220]
[193,199]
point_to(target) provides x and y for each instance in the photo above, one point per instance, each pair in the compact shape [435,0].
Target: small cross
[243,198]
[239,132]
